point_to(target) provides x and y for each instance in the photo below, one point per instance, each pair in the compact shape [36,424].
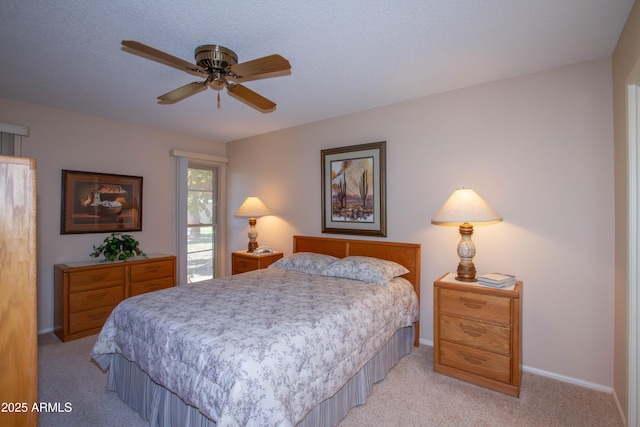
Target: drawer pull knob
[95,316]
[98,276]
[97,297]
[473,303]
[476,360]
[472,331]
[153,268]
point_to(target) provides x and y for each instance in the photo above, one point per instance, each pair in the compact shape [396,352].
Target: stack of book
[497,280]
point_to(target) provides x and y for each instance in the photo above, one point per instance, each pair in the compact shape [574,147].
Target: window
[11,139]
[200,216]
[202,219]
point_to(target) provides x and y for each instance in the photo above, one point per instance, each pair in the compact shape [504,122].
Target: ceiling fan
[218,65]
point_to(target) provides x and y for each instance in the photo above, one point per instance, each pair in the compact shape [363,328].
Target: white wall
[63,140]
[625,60]
[538,148]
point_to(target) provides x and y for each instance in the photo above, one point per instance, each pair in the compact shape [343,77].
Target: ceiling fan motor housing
[212,57]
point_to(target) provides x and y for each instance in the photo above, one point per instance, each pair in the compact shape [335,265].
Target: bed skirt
[164,408]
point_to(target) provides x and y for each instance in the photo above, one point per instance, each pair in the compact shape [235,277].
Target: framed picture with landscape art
[353,190]
[99,202]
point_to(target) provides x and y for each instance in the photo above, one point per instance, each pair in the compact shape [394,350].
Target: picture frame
[354,190]
[95,202]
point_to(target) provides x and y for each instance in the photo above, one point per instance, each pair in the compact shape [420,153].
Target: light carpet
[410,395]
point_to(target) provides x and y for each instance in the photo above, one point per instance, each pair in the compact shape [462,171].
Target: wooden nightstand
[243,261]
[477,333]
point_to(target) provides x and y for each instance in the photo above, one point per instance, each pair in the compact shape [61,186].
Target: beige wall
[625,58]
[538,148]
[63,140]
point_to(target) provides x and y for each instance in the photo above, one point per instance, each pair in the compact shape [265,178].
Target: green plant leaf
[117,246]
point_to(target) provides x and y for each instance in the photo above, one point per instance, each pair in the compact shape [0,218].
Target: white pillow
[305,262]
[366,269]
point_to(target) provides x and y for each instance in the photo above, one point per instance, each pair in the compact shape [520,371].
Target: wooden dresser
[243,261]
[18,336]
[87,292]
[477,334]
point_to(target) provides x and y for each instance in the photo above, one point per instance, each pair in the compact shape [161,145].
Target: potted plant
[118,247]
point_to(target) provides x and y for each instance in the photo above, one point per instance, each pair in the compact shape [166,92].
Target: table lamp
[463,208]
[252,208]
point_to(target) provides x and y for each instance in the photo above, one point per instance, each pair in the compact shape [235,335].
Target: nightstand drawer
[473,304]
[151,270]
[479,362]
[81,301]
[242,265]
[243,261]
[151,286]
[80,281]
[477,334]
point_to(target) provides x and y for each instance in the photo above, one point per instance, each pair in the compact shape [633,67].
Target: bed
[299,343]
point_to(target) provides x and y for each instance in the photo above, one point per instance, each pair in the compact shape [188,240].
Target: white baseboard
[555,376]
[45,331]
[567,379]
[426,342]
[619,408]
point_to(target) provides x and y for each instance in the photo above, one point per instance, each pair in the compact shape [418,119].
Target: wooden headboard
[406,254]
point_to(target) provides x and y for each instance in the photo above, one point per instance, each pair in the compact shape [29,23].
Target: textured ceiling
[346,56]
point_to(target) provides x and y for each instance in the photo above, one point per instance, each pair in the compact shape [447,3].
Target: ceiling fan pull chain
[218,99]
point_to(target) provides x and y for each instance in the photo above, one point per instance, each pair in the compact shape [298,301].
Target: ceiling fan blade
[182,92]
[163,57]
[250,97]
[264,65]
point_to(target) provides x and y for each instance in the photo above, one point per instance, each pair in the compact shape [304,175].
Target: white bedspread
[260,348]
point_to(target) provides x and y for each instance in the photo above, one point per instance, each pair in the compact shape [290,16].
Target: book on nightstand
[497,280]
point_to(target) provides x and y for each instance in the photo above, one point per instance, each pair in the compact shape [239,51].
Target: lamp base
[466,272]
[466,252]
[253,235]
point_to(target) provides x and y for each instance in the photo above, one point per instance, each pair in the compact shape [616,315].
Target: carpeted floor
[411,395]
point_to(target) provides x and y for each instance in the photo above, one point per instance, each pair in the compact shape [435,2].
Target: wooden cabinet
[18,325]
[243,261]
[87,292]
[477,334]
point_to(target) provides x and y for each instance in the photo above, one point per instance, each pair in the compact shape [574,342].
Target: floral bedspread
[261,348]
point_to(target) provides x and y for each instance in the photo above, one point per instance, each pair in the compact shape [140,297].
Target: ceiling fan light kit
[218,64]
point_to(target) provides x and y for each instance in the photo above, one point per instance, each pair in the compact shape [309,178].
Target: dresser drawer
[151,285]
[96,278]
[151,270]
[89,319]
[479,362]
[477,334]
[490,308]
[97,298]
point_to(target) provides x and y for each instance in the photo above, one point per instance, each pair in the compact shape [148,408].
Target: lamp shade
[252,207]
[465,205]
